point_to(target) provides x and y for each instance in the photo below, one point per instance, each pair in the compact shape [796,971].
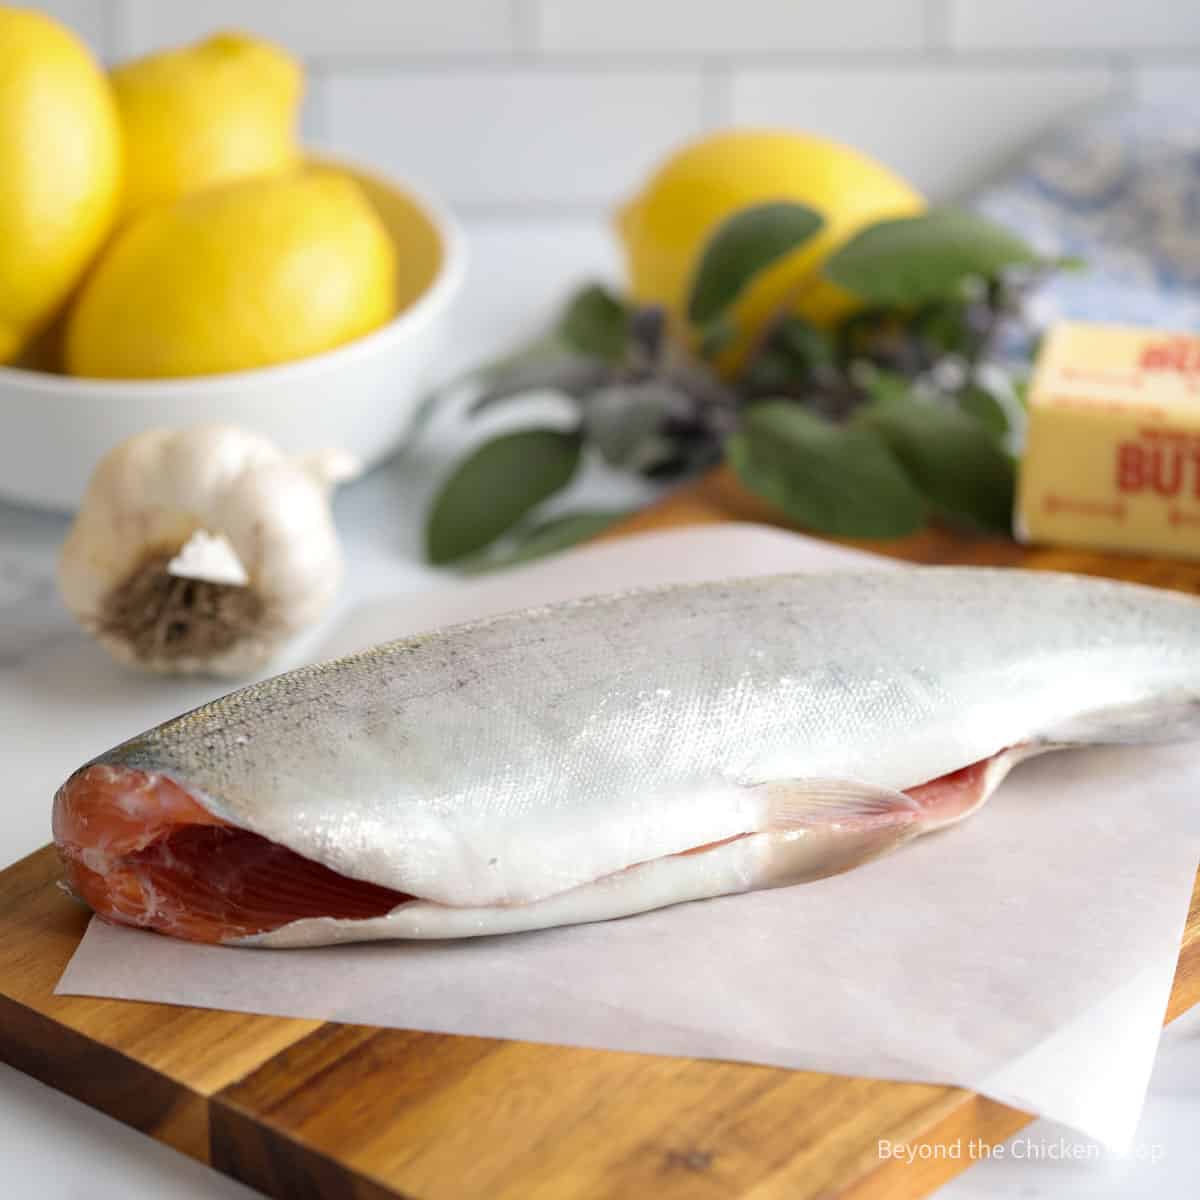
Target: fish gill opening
[139,850]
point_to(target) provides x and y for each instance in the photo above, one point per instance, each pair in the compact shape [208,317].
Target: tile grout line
[937,25]
[716,93]
[525,19]
[115,31]
[931,58]
[317,104]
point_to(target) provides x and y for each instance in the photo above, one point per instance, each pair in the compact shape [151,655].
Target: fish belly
[140,850]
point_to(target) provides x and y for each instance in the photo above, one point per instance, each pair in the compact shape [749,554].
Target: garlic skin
[203,550]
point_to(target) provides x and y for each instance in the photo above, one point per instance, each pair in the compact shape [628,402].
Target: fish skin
[522,759]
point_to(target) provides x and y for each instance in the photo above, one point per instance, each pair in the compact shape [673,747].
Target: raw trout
[603,757]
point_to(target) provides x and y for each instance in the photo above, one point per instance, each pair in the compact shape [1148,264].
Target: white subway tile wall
[505,137]
[741,27]
[560,106]
[326,28]
[947,127]
[1075,24]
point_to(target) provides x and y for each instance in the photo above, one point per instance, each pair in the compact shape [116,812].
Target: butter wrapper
[1112,456]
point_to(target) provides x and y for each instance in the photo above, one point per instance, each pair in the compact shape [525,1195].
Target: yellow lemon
[221,110]
[665,228]
[60,164]
[253,273]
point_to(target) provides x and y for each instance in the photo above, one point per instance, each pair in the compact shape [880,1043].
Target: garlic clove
[331,467]
[209,557]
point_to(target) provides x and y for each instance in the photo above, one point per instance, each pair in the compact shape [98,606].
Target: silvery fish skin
[553,765]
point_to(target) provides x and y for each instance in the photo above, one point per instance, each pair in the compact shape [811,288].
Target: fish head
[142,849]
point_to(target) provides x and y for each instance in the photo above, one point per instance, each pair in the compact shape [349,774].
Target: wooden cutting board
[306,1108]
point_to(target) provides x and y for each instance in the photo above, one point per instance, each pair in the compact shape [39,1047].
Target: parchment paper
[1027,953]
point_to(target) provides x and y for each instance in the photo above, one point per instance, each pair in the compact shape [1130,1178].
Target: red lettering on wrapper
[1131,467]
[1166,462]
[1178,354]
[1114,510]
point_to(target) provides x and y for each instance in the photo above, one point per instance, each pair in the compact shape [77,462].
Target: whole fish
[603,757]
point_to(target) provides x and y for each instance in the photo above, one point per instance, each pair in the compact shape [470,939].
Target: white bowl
[360,397]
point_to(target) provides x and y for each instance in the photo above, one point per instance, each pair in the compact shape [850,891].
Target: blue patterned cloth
[1120,190]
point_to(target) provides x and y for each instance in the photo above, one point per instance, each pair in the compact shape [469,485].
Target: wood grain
[305,1108]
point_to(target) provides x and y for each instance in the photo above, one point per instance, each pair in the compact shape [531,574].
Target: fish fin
[1172,717]
[804,803]
[820,827]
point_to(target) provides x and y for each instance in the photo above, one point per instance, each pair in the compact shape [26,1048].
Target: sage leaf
[570,375]
[595,323]
[883,386]
[812,348]
[578,354]
[955,461]
[481,380]
[742,246]
[917,260]
[978,402]
[771,372]
[951,327]
[717,336]
[835,479]
[547,537]
[626,422]
[495,486]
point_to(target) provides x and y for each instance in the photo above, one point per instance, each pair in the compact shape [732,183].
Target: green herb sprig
[899,415]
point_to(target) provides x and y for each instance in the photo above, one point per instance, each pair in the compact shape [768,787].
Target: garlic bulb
[203,550]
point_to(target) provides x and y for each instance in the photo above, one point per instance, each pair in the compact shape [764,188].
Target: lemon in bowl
[358,390]
[250,274]
[195,116]
[60,163]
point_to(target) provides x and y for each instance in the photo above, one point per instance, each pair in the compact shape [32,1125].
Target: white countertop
[53,1147]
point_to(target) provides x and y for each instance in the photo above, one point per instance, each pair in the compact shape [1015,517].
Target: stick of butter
[1112,454]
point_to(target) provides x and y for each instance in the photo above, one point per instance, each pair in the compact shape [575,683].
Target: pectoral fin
[821,827]
[805,803]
